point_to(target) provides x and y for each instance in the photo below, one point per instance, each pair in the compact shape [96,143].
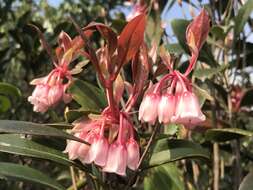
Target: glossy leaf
[25,173]
[15,145]
[209,72]
[226,134]
[87,95]
[242,16]
[247,182]
[107,33]
[131,38]
[247,98]
[197,31]
[165,177]
[179,28]
[174,48]
[23,127]
[140,70]
[5,104]
[166,151]
[118,88]
[9,95]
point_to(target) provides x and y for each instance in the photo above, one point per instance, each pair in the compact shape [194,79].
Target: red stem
[162,81]
[110,98]
[192,64]
[120,138]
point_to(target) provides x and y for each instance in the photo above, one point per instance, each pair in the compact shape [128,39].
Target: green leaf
[171,129]
[90,97]
[242,16]
[202,95]
[247,98]
[165,177]
[5,104]
[218,32]
[25,173]
[174,48]
[179,28]
[72,115]
[226,134]
[9,95]
[23,127]
[247,182]
[15,145]
[166,151]
[209,72]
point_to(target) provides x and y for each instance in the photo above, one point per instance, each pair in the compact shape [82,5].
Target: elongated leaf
[15,145]
[174,48]
[247,98]
[166,151]
[5,104]
[209,72]
[242,16]
[9,95]
[107,33]
[131,38]
[247,182]
[25,173]
[165,177]
[87,95]
[226,134]
[179,28]
[10,90]
[23,127]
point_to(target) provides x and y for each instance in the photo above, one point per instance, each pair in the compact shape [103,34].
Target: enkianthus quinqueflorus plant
[111,136]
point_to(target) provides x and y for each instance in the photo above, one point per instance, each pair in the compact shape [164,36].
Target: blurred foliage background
[223,78]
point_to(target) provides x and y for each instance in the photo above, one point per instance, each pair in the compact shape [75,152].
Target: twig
[216,160]
[72,172]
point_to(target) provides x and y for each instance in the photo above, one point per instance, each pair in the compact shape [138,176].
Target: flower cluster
[171,100]
[50,90]
[110,136]
[112,143]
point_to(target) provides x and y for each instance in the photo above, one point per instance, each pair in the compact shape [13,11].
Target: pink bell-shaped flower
[49,91]
[117,159]
[188,110]
[133,154]
[55,94]
[166,108]
[72,148]
[39,98]
[149,108]
[98,151]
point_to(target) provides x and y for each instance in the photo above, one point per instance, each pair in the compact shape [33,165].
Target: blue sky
[174,12]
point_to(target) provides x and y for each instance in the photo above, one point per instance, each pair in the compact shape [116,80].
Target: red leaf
[107,33]
[131,38]
[140,69]
[77,42]
[118,88]
[64,41]
[197,31]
